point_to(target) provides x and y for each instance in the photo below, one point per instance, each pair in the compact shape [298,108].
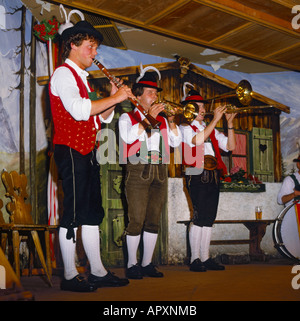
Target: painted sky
[280,86]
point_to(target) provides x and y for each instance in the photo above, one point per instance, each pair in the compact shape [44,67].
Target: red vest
[132,149]
[79,135]
[189,154]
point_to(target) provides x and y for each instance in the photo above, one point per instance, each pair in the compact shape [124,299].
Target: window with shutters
[253,154]
[240,156]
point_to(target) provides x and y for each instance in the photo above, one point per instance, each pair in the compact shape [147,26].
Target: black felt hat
[83,27]
[193,97]
[148,81]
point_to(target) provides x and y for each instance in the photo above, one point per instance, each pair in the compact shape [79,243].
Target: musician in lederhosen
[290,188]
[203,141]
[146,154]
[77,114]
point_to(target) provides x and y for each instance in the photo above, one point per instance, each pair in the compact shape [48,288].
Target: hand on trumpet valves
[156,108]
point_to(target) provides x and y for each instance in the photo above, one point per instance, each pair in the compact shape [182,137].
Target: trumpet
[189,111]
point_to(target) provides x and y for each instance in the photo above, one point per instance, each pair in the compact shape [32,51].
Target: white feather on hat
[185,85]
[144,70]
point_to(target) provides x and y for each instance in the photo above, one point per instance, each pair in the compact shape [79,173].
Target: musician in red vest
[77,116]
[146,153]
[202,176]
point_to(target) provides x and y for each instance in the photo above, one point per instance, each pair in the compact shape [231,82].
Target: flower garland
[237,181]
[46,30]
[238,175]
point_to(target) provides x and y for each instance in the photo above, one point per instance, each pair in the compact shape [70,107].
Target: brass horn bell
[243,92]
[189,111]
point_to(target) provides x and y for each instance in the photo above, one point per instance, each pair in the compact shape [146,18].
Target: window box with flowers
[237,181]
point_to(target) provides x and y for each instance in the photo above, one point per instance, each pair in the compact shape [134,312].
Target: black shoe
[210,264]
[109,280]
[77,284]
[150,270]
[134,272]
[197,266]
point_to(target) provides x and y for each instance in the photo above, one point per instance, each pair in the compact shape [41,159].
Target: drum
[286,234]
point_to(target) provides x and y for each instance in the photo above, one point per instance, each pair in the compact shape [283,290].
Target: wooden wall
[209,86]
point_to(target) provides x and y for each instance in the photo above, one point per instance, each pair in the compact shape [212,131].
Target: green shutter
[112,227]
[262,154]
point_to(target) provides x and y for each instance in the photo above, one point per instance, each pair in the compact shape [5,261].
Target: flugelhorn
[153,122]
[189,111]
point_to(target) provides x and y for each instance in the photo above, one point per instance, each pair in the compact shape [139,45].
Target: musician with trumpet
[146,153]
[77,114]
[205,142]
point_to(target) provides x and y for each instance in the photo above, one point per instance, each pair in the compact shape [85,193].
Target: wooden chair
[21,224]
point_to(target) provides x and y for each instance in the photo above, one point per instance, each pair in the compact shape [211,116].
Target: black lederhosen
[80,176]
[204,192]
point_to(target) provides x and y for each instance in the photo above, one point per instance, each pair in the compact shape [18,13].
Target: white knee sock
[91,244]
[132,246]
[68,250]
[149,241]
[195,234]
[205,243]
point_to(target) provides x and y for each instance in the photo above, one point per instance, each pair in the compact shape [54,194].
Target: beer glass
[258,212]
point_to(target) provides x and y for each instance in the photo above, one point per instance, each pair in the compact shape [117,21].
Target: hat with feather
[192,96]
[68,29]
[146,79]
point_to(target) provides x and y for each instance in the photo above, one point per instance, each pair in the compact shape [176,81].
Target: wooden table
[257,230]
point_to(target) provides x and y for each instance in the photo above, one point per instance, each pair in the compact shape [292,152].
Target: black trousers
[80,176]
[204,192]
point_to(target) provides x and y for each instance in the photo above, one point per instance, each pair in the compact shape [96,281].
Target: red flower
[46,30]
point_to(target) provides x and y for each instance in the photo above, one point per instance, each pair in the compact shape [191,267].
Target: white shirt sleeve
[129,133]
[188,133]
[287,187]
[63,84]
[108,119]
[173,139]
[222,140]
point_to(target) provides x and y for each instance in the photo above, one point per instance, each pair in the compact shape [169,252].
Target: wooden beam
[22,85]
[119,72]
[32,126]
[243,11]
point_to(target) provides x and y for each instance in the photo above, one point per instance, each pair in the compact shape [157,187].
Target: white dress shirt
[63,84]
[287,188]
[188,133]
[129,133]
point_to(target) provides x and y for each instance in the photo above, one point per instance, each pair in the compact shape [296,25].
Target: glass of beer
[258,212]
